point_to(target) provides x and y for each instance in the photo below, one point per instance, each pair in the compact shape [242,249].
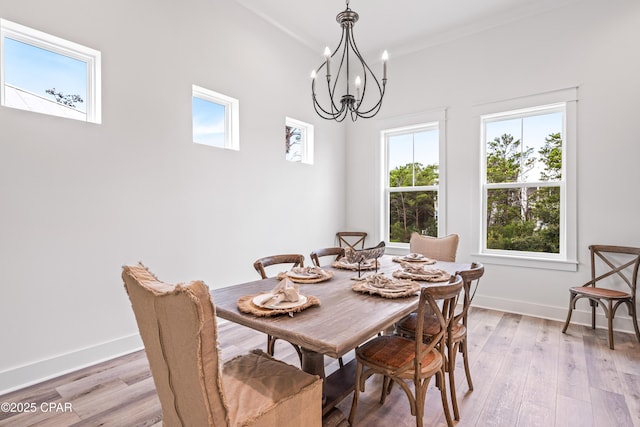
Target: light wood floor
[525,372]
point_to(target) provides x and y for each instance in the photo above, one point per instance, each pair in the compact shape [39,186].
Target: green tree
[525,218]
[411,211]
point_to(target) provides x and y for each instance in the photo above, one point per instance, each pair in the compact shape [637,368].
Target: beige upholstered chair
[439,248]
[337,253]
[404,361]
[179,331]
[457,340]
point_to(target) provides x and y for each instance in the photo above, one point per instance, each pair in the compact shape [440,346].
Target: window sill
[518,261]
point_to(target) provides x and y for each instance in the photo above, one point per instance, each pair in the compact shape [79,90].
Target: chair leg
[271,346]
[452,381]
[593,313]
[340,362]
[443,395]
[632,311]
[610,314]
[385,385]
[572,299]
[465,358]
[271,342]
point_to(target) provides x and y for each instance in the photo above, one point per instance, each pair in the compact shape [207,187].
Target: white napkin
[286,290]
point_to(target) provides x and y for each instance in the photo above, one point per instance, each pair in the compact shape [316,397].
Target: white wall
[591,44]
[80,200]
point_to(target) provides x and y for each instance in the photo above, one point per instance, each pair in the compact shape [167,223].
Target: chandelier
[354,101]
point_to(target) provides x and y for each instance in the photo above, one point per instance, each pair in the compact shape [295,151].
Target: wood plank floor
[525,373]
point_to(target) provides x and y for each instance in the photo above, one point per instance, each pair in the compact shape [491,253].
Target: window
[298,141]
[45,74]
[215,119]
[524,177]
[411,182]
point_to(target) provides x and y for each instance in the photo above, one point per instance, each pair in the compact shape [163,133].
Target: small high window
[215,119]
[298,141]
[49,75]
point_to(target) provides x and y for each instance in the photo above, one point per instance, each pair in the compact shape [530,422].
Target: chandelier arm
[328,115]
[367,70]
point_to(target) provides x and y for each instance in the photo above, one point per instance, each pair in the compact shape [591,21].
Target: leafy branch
[61,98]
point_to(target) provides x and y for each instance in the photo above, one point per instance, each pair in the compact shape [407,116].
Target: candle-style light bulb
[385,58]
[327,54]
[358,84]
[313,74]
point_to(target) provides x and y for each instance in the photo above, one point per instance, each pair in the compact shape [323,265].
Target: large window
[45,74]
[412,179]
[525,195]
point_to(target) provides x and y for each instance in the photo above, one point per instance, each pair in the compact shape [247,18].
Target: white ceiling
[400,26]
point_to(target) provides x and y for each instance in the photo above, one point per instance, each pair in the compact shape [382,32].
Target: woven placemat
[366,288]
[423,261]
[246,305]
[426,275]
[344,265]
[326,275]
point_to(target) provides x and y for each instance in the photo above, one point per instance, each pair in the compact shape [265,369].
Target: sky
[419,147]
[532,130]
[36,70]
[208,122]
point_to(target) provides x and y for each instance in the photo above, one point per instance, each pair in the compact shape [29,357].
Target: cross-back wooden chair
[297,260]
[457,341]
[337,253]
[403,360]
[620,262]
[351,239]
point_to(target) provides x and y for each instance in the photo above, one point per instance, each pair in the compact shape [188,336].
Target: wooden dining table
[343,320]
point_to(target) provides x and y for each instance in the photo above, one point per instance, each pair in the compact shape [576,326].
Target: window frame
[307,140]
[231,116]
[564,100]
[410,124]
[45,41]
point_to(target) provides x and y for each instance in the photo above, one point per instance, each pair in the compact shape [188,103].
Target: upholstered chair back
[438,248]
[182,350]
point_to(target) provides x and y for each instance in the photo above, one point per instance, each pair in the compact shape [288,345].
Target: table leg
[336,386]
[312,362]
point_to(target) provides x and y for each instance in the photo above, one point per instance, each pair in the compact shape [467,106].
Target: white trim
[580,316]
[231,115]
[435,119]
[33,373]
[557,100]
[54,44]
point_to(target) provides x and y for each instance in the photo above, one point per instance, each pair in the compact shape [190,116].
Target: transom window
[49,75]
[298,141]
[215,119]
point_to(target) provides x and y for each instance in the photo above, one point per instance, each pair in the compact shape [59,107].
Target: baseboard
[581,315]
[33,373]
